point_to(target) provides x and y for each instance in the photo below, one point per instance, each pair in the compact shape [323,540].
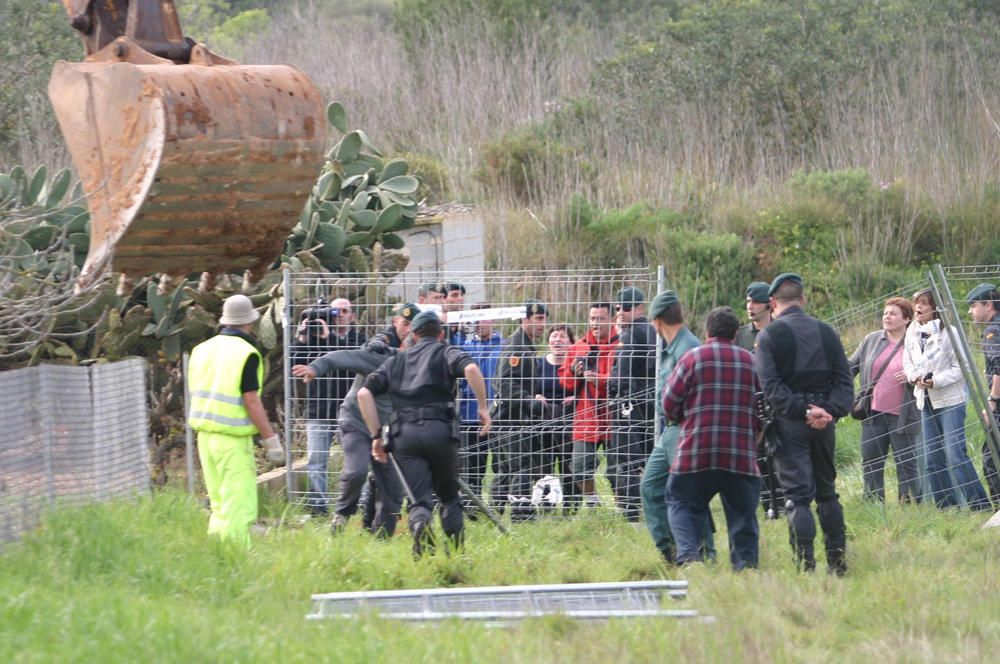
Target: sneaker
[337,523]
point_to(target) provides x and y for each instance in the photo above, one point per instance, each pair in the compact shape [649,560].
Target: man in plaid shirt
[711,395]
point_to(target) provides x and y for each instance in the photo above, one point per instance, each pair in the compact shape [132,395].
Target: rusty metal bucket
[189,168]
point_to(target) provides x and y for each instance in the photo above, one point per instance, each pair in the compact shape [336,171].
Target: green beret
[757,291]
[407,310]
[782,278]
[532,307]
[981,292]
[630,295]
[423,319]
[662,302]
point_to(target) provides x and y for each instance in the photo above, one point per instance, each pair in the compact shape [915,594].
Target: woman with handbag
[886,406]
[931,365]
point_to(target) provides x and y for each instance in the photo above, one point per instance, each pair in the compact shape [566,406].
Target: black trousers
[517,444]
[804,460]
[990,467]
[630,446]
[428,457]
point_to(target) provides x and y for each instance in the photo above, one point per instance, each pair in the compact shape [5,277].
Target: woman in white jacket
[931,365]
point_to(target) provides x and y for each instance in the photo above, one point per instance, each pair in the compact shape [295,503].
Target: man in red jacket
[585,372]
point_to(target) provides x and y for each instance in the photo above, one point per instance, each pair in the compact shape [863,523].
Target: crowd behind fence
[71,435]
[568,297]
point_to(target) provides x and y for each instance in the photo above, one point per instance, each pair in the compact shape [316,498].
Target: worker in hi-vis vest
[225,376]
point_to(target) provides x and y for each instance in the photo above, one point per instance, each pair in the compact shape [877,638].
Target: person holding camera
[322,328]
[931,364]
[585,373]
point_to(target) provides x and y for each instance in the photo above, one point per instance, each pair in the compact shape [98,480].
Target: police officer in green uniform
[423,427]
[517,412]
[805,376]
[759,313]
[668,320]
[758,305]
[984,307]
[224,380]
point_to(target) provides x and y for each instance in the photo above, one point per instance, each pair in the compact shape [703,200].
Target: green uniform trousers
[653,491]
[230,472]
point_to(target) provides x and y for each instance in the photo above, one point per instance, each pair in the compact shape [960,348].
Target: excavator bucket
[187,167]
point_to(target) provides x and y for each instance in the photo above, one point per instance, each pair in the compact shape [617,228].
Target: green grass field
[140,581]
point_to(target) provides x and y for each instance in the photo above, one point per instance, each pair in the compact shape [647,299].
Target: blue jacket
[486,354]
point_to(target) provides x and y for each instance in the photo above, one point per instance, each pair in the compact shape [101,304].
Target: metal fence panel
[71,435]
[568,296]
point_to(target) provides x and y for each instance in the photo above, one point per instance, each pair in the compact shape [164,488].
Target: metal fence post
[973,378]
[661,282]
[286,316]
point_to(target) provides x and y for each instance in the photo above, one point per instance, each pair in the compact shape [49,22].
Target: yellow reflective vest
[214,375]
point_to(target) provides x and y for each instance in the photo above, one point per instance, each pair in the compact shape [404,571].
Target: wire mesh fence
[71,435]
[933,435]
[560,440]
[554,394]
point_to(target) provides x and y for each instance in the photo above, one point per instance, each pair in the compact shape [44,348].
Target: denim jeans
[688,495]
[319,434]
[951,476]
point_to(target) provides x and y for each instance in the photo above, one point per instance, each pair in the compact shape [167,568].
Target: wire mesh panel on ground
[544,395]
[506,603]
[71,435]
[925,458]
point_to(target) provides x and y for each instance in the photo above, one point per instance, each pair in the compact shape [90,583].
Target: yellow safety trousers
[230,472]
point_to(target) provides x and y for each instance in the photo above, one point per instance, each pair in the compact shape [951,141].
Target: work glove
[537,409]
[273,450]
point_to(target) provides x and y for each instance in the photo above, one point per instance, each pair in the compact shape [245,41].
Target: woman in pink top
[895,421]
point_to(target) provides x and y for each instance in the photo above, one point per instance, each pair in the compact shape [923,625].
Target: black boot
[423,538]
[801,534]
[831,520]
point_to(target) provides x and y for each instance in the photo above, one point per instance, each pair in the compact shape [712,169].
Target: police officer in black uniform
[424,428]
[631,389]
[805,376]
[518,412]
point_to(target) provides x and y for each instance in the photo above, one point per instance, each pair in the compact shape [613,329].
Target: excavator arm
[190,162]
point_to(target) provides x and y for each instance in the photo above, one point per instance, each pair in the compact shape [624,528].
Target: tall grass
[140,581]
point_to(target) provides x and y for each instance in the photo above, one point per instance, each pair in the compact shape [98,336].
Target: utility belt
[815,397]
[435,411]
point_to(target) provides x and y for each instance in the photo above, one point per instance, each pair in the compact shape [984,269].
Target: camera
[320,311]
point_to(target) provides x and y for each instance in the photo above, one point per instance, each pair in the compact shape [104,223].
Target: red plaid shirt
[711,394]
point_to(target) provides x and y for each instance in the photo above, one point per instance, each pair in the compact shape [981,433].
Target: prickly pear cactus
[358,200]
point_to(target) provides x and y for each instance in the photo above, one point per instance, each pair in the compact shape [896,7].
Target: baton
[399,474]
[483,507]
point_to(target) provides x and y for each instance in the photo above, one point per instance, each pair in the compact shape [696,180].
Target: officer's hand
[378,450]
[274,452]
[486,421]
[578,368]
[536,409]
[541,399]
[818,417]
[377,345]
[305,372]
